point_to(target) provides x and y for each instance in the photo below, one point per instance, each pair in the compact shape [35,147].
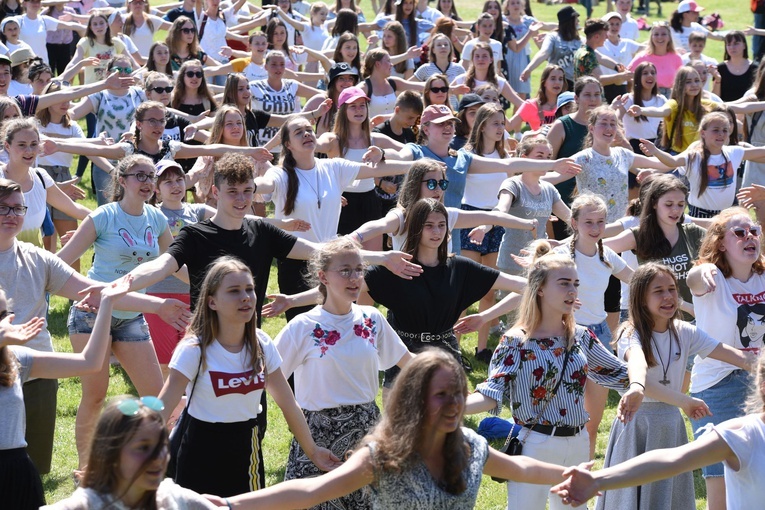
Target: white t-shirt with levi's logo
[226,390]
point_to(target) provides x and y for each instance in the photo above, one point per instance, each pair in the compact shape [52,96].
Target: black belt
[549,430]
[426,337]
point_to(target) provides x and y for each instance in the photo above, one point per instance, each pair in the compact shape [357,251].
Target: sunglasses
[130,406]
[433,183]
[443,90]
[742,233]
[4,314]
[194,74]
[188,30]
[162,90]
[142,177]
[126,70]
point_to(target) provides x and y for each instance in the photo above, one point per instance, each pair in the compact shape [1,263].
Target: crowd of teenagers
[606,221]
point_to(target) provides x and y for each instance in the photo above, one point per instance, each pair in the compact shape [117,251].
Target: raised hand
[19,334]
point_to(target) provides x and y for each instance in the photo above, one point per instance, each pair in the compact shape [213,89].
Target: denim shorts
[603,332]
[491,240]
[122,330]
[726,400]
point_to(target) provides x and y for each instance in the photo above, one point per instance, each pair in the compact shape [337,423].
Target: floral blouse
[525,372]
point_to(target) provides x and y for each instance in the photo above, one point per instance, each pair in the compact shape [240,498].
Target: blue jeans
[758,42]
[101,182]
[726,400]
[122,330]
[603,332]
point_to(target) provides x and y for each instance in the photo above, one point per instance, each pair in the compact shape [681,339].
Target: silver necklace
[316,190]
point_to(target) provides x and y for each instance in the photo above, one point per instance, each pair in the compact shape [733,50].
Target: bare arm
[621,243]
[522,469]
[354,474]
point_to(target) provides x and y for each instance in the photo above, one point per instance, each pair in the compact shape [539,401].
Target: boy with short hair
[697,42]
[407,111]
[587,60]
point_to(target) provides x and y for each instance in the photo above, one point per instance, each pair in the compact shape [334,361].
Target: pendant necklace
[316,190]
[664,369]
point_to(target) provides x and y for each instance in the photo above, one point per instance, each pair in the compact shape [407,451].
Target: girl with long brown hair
[421,428]
[541,110]
[482,71]
[221,451]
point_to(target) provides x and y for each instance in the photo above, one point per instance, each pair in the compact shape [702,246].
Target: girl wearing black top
[737,72]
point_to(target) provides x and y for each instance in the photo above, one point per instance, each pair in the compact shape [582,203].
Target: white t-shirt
[467,51]
[52,130]
[680,39]
[337,358]
[143,37]
[629,258]
[19,89]
[226,390]
[214,36]
[34,32]
[733,315]
[744,487]
[326,180]
[623,53]
[629,29]
[399,236]
[36,198]
[255,72]
[593,279]
[481,189]
[460,80]
[314,37]
[692,341]
[648,128]
[721,170]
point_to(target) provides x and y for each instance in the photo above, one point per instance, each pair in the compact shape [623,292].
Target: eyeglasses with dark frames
[434,183]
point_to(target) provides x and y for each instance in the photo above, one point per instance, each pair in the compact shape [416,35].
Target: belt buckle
[427,337]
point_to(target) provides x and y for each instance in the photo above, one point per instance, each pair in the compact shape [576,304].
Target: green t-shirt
[585,62]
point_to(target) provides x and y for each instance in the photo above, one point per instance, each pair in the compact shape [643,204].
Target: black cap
[341,68]
[566,14]
[469,100]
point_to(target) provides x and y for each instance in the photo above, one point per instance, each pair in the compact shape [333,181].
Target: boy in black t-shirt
[399,127]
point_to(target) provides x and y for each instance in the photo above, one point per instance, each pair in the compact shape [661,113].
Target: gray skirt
[655,425]
[338,429]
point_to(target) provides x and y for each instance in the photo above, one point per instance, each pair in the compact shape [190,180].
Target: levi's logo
[224,383]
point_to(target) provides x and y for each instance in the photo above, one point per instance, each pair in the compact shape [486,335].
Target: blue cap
[564,98]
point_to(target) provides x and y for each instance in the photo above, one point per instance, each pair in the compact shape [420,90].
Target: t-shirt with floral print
[606,176]
[585,62]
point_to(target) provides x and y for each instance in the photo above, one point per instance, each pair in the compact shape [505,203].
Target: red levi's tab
[224,383]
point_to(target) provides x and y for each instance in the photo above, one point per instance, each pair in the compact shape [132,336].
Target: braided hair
[582,201]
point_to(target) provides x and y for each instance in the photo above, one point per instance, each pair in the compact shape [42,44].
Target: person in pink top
[541,109]
[661,53]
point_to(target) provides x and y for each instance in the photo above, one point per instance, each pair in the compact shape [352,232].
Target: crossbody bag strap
[554,392]
[194,384]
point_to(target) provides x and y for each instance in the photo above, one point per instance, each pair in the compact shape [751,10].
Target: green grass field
[58,484]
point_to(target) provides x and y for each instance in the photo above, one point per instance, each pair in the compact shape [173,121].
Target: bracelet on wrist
[639,384]
[228,503]
[382,158]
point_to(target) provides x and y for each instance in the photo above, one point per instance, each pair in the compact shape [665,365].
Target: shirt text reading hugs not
[336,359]
[733,314]
[606,176]
[524,372]
[744,486]
[323,184]
[256,243]
[27,274]
[432,302]
[593,277]
[227,390]
[671,353]
[123,242]
[721,178]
